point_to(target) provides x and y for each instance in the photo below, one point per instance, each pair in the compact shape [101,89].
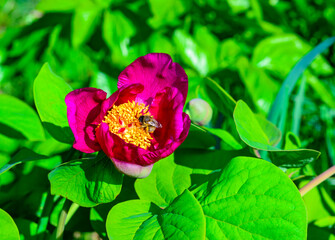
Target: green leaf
[57,5]
[24,155]
[140,219]
[117,32]
[239,6]
[223,101]
[249,128]
[172,175]
[259,133]
[191,52]
[166,181]
[167,12]
[84,21]
[270,130]
[252,199]
[87,182]
[293,158]
[49,94]
[18,120]
[291,141]
[278,111]
[271,53]
[254,77]
[27,228]
[103,81]
[318,203]
[228,141]
[8,229]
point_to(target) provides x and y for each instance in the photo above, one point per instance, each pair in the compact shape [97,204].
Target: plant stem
[62,220]
[44,219]
[256,152]
[316,181]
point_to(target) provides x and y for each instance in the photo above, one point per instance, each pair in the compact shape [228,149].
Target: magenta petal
[171,145]
[132,169]
[124,94]
[155,71]
[83,110]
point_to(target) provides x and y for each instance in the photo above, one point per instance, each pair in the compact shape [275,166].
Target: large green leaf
[18,120]
[140,219]
[8,229]
[259,133]
[166,181]
[171,176]
[49,94]
[252,199]
[87,182]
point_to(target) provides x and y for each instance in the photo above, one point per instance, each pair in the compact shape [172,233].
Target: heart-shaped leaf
[49,94]
[252,199]
[87,182]
[8,229]
[172,175]
[18,120]
[140,219]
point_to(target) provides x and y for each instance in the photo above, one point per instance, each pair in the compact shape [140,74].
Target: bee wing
[155,123]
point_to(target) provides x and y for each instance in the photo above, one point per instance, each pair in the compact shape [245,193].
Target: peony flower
[152,86]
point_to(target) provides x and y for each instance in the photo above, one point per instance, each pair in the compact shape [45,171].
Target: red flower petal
[155,71]
[83,113]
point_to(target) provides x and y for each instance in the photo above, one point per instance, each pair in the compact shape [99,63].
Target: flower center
[123,120]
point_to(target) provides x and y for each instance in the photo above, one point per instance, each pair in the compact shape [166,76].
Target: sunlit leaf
[84,21]
[49,95]
[8,229]
[245,201]
[140,219]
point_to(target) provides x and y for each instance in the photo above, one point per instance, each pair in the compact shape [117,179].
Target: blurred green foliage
[247,47]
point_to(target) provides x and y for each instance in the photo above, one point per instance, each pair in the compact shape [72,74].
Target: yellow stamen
[123,121]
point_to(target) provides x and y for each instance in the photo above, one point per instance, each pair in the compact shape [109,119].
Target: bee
[149,123]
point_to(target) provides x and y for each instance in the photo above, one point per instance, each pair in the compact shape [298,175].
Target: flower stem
[256,152]
[62,220]
[316,181]
[44,219]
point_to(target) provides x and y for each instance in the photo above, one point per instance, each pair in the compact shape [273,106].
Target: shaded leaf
[18,120]
[87,182]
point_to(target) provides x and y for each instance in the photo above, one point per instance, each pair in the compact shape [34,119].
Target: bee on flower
[139,124]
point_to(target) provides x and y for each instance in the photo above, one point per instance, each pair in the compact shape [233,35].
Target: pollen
[123,121]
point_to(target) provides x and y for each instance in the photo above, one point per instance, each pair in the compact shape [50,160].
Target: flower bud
[200,111]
